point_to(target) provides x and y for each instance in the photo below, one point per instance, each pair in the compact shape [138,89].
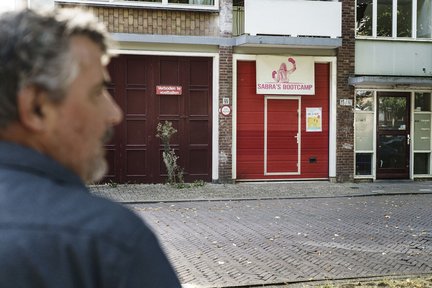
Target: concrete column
[225,18]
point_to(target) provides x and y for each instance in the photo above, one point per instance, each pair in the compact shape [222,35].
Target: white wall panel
[393,58]
[291,17]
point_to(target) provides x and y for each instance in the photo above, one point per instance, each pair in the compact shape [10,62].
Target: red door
[282,134]
[135,153]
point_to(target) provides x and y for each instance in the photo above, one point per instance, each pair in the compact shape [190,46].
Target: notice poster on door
[314,119]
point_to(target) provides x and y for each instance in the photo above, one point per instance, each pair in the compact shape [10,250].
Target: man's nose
[115,113]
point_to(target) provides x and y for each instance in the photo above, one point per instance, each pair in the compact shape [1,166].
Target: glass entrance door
[393,135]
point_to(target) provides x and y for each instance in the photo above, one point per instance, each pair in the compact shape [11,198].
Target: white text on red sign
[168,90]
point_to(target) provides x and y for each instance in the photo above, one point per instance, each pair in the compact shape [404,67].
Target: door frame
[298,98]
[215,92]
[408,132]
[332,61]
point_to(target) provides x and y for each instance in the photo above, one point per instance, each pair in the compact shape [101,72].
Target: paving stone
[223,235]
[262,242]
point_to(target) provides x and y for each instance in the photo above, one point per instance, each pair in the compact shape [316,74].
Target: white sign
[346,102]
[285,75]
[314,119]
[225,110]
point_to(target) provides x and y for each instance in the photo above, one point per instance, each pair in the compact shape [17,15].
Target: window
[363,164]
[422,101]
[404,18]
[422,133]
[384,18]
[364,100]
[364,17]
[394,18]
[175,4]
[197,2]
[392,113]
[424,19]
[364,132]
[421,163]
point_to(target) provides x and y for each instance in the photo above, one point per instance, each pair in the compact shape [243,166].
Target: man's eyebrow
[104,83]
[101,85]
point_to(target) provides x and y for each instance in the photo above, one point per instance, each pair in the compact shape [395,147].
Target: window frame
[143,4]
[359,151]
[394,31]
[421,151]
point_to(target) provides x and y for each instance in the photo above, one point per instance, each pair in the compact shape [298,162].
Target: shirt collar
[24,158]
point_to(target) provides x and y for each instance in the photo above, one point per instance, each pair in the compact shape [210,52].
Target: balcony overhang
[286,41]
[394,82]
[243,40]
[172,39]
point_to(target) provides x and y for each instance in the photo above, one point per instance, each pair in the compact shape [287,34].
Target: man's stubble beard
[98,166]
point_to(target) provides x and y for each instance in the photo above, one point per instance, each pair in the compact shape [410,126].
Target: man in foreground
[55,116]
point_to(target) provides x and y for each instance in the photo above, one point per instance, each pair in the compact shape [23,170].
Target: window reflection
[402,14]
[364,17]
[197,2]
[424,18]
[422,102]
[421,163]
[392,113]
[391,150]
[404,18]
[364,100]
[363,164]
[384,18]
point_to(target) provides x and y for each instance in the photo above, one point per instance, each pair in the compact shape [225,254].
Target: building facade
[393,85]
[284,120]
[271,89]
[172,64]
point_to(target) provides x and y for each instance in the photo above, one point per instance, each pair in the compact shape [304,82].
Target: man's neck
[16,133]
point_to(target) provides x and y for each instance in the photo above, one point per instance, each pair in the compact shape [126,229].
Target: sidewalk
[153,193]
[267,243]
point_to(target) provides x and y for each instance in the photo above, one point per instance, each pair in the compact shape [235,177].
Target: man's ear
[31,103]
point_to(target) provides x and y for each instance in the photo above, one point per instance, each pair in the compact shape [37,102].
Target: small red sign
[168,90]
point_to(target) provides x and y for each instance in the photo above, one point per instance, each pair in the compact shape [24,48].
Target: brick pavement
[187,222]
[264,242]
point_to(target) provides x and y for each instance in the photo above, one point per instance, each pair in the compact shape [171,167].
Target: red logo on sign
[282,74]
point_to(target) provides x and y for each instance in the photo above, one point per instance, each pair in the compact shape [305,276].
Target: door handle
[408,139]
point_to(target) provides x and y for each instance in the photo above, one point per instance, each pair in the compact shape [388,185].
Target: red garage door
[135,153]
[272,141]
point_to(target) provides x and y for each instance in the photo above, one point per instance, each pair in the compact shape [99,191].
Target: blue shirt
[54,233]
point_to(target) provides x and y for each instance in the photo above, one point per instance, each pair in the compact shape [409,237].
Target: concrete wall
[295,18]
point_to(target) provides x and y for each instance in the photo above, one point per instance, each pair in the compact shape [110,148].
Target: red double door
[135,153]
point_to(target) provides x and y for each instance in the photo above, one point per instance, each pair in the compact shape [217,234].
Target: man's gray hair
[35,50]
